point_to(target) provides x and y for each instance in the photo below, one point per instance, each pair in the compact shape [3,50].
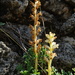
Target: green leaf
[20,67]
[2,23]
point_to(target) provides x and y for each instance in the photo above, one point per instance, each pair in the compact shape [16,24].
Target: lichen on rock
[8,60]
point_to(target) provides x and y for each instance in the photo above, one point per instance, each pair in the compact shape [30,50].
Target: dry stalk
[35,30]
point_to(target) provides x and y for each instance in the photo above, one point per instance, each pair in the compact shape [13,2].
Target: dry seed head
[37,23]
[31,27]
[39,14]
[30,42]
[38,41]
[37,4]
[31,3]
[33,37]
[39,30]
[35,29]
[32,32]
[39,47]
[32,16]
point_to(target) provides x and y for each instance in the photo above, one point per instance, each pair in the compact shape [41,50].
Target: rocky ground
[58,17]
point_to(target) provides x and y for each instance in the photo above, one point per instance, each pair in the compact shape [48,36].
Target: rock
[65,56]
[8,60]
[69,25]
[56,7]
[13,10]
[71,2]
[50,21]
[19,33]
[70,40]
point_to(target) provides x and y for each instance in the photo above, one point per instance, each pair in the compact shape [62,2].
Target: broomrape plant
[50,55]
[46,53]
[35,30]
[35,42]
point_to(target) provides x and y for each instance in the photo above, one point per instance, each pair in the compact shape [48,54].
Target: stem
[50,61]
[35,39]
[49,67]
[36,62]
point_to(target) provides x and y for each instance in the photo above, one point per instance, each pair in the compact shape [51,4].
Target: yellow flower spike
[48,36]
[51,34]
[52,45]
[51,37]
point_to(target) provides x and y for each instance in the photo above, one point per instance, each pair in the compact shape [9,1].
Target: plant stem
[49,67]
[35,39]
[36,62]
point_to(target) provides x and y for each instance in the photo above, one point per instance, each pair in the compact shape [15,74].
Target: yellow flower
[51,37]
[54,45]
[52,55]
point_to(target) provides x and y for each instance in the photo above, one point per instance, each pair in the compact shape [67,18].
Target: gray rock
[50,20]
[57,7]
[12,10]
[70,40]
[71,2]
[69,25]
[65,56]
[8,60]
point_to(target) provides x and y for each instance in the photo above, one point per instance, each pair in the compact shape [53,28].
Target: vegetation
[35,30]
[52,45]
[38,57]
[1,23]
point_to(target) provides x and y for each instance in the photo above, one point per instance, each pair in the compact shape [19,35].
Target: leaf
[2,23]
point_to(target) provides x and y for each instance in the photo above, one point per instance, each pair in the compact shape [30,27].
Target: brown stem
[35,45]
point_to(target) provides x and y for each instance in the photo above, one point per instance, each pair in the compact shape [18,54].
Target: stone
[71,2]
[8,60]
[70,40]
[65,56]
[50,21]
[57,7]
[13,10]
[69,25]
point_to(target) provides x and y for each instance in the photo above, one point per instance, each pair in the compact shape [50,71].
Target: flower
[51,37]
[54,45]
